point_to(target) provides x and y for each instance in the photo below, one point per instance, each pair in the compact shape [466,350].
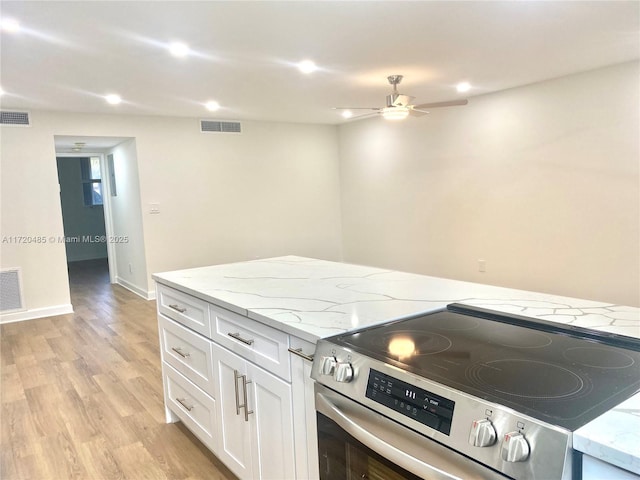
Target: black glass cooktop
[565,376]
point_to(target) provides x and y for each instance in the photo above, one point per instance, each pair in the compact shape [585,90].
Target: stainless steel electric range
[465,393]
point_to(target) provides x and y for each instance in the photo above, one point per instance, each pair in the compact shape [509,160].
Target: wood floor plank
[136,462]
[12,388]
[81,394]
[98,460]
[19,431]
[44,403]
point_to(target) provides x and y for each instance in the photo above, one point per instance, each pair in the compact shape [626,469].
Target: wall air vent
[13,118]
[220,126]
[10,290]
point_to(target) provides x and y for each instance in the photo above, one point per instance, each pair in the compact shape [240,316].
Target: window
[91,181]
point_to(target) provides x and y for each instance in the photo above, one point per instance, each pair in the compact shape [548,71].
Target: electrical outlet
[482,265]
[154,208]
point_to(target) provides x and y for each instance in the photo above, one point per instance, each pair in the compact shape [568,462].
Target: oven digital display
[425,407]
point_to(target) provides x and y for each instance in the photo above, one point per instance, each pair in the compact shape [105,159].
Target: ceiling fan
[399,106]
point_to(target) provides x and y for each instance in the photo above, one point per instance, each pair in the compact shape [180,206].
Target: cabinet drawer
[256,342]
[195,409]
[187,352]
[185,309]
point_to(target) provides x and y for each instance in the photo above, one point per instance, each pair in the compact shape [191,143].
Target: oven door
[355,442]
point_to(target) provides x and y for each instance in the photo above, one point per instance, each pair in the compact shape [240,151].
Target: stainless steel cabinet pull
[183,402]
[177,308]
[236,376]
[238,337]
[246,404]
[179,351]
[298,352]
[245,382]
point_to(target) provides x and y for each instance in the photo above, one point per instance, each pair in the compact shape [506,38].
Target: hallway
[82,397]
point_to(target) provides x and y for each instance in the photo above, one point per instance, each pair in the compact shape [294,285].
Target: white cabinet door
[304,412]
[235,432]
[272,425]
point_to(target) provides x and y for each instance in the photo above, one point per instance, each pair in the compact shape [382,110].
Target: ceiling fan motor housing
[398,100]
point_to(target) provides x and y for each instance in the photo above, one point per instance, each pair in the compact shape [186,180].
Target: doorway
[83,199]
[106,193]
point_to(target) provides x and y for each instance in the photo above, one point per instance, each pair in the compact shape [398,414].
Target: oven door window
[342,457]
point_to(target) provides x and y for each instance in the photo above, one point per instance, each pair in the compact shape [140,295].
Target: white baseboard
[36,313]
[135,289]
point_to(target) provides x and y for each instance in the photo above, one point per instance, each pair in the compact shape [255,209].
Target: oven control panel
[425,407]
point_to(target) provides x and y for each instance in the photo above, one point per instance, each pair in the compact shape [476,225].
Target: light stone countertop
[312,299]
[614,437]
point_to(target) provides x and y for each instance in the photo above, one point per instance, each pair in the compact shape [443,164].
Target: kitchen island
[309,299]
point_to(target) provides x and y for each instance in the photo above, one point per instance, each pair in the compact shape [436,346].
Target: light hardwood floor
[81,394]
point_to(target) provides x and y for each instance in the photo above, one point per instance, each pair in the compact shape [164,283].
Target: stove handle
[370,428]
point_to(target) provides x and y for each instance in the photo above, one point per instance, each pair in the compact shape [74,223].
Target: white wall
[272,190]
[126,214]
[30,207]
[541,182]
[79,220]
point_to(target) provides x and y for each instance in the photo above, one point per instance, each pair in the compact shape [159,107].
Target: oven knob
[344,373]
[515,447]
[482,433]
[328,365]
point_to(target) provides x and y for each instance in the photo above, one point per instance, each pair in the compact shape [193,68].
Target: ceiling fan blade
[364,115]
[450,103]
[417,113]
[356,108]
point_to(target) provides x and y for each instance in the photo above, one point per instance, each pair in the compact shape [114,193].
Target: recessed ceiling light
[212,105]
[179,49]
[10,25]
[113,99]
[463,87]
[347,114]
[307,66]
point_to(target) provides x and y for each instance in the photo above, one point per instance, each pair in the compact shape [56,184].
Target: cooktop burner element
[526,379]
[598,357]
[406,344]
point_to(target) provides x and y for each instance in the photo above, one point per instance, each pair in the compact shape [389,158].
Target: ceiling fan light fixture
[463,87]
[395,113]
[307,66]
[179,49]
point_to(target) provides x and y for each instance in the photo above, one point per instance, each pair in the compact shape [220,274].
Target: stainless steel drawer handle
[298,352]
[178,308]
[179,351]
[238,337]
[183,402]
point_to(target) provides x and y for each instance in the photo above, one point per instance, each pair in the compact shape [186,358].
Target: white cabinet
[235,432]
[256,421]
[304,410]
[595,469]
[244,388]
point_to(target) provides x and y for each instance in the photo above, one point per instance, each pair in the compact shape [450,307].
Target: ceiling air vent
[219,126]
[17,119]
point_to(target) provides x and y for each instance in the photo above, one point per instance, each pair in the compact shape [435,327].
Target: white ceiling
[69,54]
